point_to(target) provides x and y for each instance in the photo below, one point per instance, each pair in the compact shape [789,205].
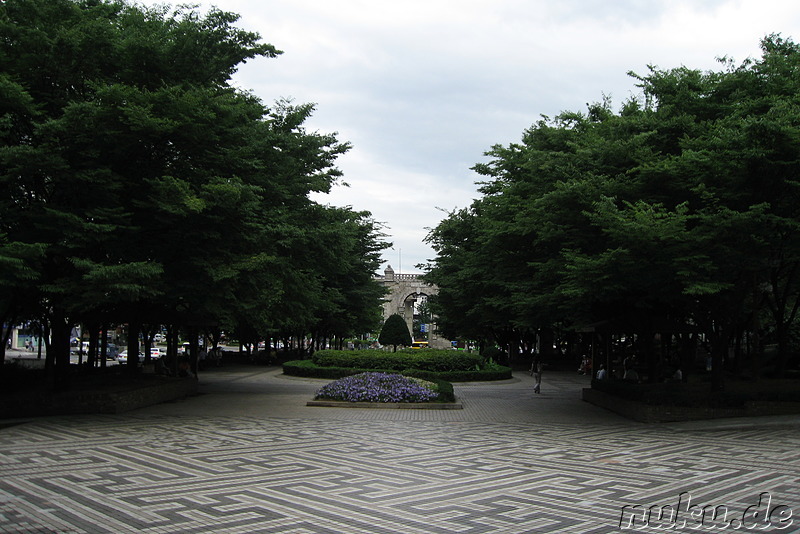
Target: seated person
[601,373]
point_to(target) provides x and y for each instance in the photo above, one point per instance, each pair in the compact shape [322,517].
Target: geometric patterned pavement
[295,469]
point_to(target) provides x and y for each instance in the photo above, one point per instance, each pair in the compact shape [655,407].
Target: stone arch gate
[405,292]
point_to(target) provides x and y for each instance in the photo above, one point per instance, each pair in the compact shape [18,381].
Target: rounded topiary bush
[378,387]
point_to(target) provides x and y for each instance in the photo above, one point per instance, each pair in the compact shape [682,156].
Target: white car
[122,357]
[156,353]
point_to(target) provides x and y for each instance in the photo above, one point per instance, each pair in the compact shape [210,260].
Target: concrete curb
[92,401]
[646,413]
[389,405]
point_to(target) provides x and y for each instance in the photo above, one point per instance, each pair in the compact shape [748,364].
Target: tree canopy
[680,208]
[143,188]
[395,332]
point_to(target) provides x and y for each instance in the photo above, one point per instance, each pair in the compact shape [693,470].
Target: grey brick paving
[248,456]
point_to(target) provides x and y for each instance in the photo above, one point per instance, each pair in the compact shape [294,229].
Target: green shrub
[445,391]
[503,373]
[307,368]
[423,359]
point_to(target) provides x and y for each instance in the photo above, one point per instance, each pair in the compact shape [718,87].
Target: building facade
[405,293]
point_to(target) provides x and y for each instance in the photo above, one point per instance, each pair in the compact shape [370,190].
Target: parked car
[111,350]
[122,357]
[156,353]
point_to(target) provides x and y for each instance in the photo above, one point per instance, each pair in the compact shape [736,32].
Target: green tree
[143,188]
[681,207]
[352,243]
[395,332]
[422,316]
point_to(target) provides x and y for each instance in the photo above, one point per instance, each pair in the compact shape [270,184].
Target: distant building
[406,291]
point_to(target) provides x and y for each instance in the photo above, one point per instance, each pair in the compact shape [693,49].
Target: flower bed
[379,387]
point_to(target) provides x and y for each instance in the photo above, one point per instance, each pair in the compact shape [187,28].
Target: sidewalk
[247,455]
[267,392]
[32,360]
[22,353]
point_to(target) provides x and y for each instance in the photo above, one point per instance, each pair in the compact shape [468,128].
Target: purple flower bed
[376,387]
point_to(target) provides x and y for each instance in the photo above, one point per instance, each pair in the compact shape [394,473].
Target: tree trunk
[193,349]
[648,347]
[92,357]
[546,338]
[148,343]
[6,336]
[688,350]
[60,328]
[570,347]
[782,334]
[103,345]
[133,347]
[719,347]
[172,348]
[738,352]
[44,338]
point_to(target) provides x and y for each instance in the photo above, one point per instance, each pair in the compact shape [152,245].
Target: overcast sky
[422,88]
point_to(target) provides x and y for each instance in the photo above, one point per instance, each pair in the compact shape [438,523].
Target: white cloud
[423,87]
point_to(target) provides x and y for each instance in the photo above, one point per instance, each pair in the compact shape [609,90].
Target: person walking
[537,376]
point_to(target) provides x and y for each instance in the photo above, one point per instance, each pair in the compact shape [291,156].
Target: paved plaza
[247,455]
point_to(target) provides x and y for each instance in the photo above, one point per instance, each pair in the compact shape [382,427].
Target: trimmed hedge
[437,360]
[486,375]
[445,390]
[307,368]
